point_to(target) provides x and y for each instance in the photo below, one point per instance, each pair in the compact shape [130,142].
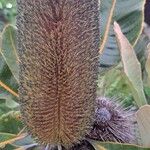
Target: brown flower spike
[58,44]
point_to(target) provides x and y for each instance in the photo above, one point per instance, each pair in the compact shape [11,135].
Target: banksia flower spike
[112,122]
[58,44]
[83,145]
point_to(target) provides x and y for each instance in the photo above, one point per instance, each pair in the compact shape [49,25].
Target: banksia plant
[112,122]
[83,145]
[58,45]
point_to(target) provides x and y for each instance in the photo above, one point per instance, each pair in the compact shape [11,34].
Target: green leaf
[117,88]
[25,141]
[9,147]
[10,103]
[11,122]
[115,146]
[143,121]
[6,138]
[141,46]
[148,64]
[129,14]
[147,93]
[8,49]
[131,65]
[8,82]
[3,108]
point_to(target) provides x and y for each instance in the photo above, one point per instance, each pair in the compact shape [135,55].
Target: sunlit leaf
[143,119]
[25,147]
[131,65]
[10,103]
[115,146]
[6,138]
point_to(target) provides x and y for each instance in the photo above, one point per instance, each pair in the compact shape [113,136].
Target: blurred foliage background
[112,81]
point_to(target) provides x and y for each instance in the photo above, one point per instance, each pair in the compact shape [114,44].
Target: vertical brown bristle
[58,47]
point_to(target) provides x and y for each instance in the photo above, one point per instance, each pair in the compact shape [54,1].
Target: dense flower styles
[58,44]
[112,122]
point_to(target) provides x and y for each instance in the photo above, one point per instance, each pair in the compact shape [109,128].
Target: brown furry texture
[112,122]
[58,44]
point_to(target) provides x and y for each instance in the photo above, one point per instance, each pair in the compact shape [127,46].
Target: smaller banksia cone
[112,122]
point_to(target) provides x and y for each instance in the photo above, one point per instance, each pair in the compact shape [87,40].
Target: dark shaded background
[147,12]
